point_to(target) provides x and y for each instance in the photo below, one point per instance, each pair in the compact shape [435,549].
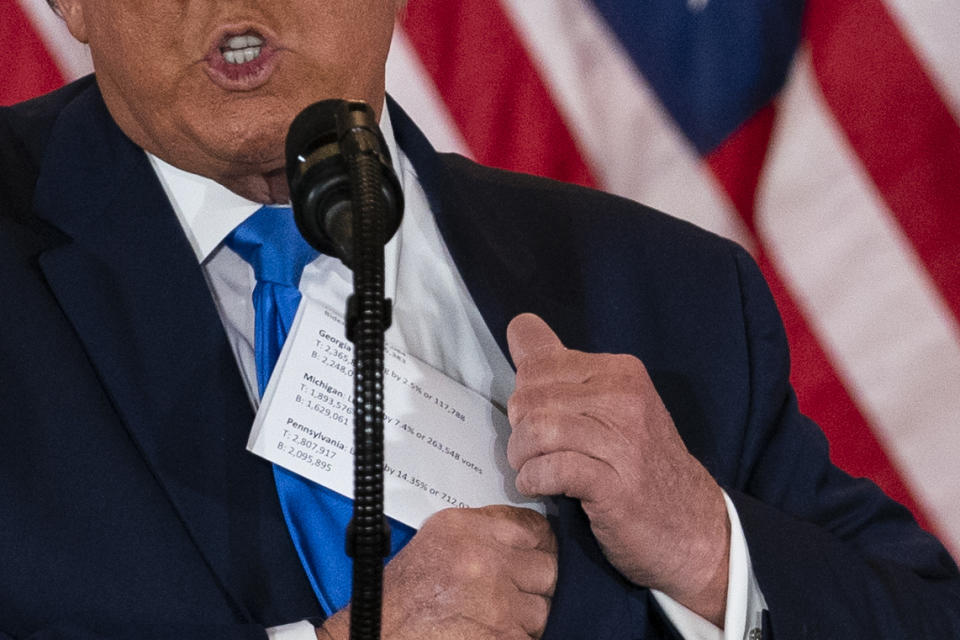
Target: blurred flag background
[823,136]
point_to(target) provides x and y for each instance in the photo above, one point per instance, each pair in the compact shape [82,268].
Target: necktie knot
[269,241]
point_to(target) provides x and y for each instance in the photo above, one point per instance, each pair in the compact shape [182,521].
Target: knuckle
[548,544]
[552,570]
[544,429]
[497,512]
[537,571]
[539,432]
[511,533]
[542,532]
[514,407]
[540,612]
[517,526]
[627,365]
[447,521]
[526,481]
[515,451]
[539,525]
[472,563]
[438,519]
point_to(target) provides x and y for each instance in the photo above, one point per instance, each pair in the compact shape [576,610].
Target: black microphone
[347,202]
[321,144]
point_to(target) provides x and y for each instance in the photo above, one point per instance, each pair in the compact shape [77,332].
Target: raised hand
[592,427]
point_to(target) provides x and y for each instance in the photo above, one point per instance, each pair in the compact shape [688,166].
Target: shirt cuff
[745,603]
[302,630]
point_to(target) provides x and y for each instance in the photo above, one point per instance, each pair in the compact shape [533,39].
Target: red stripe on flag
[29,70]
[897,123]
[737,164]
[483,72]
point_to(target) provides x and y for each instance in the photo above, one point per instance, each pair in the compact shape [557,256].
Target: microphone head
[314,127]
[319,143]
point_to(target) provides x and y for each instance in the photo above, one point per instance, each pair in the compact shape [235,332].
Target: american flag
[823,136]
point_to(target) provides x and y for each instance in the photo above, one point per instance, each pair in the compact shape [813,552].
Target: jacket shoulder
[533,206]
[24,132]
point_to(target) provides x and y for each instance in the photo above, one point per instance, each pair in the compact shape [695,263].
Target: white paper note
[444,444]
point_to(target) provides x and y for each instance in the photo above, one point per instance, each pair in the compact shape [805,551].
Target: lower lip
[241,77]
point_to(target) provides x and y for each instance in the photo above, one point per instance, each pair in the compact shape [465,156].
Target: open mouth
[242,59]
[241,49]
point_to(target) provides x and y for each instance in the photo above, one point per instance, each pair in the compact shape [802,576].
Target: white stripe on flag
[410,85]
[933,29]
[71,57]
[630,144]
[866,295]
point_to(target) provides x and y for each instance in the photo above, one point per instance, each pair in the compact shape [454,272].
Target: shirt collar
[209,211]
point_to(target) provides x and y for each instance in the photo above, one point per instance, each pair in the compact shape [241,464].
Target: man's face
[212,85]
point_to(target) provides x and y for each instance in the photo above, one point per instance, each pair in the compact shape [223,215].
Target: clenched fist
[468,574]
[592,427]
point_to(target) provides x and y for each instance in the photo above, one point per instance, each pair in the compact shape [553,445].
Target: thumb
[528,336]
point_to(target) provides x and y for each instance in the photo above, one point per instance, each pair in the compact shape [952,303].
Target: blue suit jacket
[130,508]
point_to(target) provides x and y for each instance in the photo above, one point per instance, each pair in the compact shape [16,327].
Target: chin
[235,120]
[258,149]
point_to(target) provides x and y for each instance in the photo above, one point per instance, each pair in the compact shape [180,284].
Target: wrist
[701,581]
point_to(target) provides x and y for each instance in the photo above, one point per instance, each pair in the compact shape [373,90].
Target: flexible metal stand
[347,202]
[368,317]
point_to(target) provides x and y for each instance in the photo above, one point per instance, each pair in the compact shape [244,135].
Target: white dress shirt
[434,319]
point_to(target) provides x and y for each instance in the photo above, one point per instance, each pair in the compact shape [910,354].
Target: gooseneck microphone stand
[350,204]
[368,317]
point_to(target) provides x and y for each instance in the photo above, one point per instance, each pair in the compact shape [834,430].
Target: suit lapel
[504,279]
[128,281]
[497,271]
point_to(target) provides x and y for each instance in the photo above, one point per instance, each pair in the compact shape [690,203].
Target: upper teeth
[240,49]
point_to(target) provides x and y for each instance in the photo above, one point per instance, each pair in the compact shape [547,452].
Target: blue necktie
[316,517]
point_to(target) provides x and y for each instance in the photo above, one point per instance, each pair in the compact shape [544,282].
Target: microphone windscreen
[313,127]
[325,142]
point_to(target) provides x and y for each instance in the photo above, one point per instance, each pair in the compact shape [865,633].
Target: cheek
[143,64]
[356,40]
